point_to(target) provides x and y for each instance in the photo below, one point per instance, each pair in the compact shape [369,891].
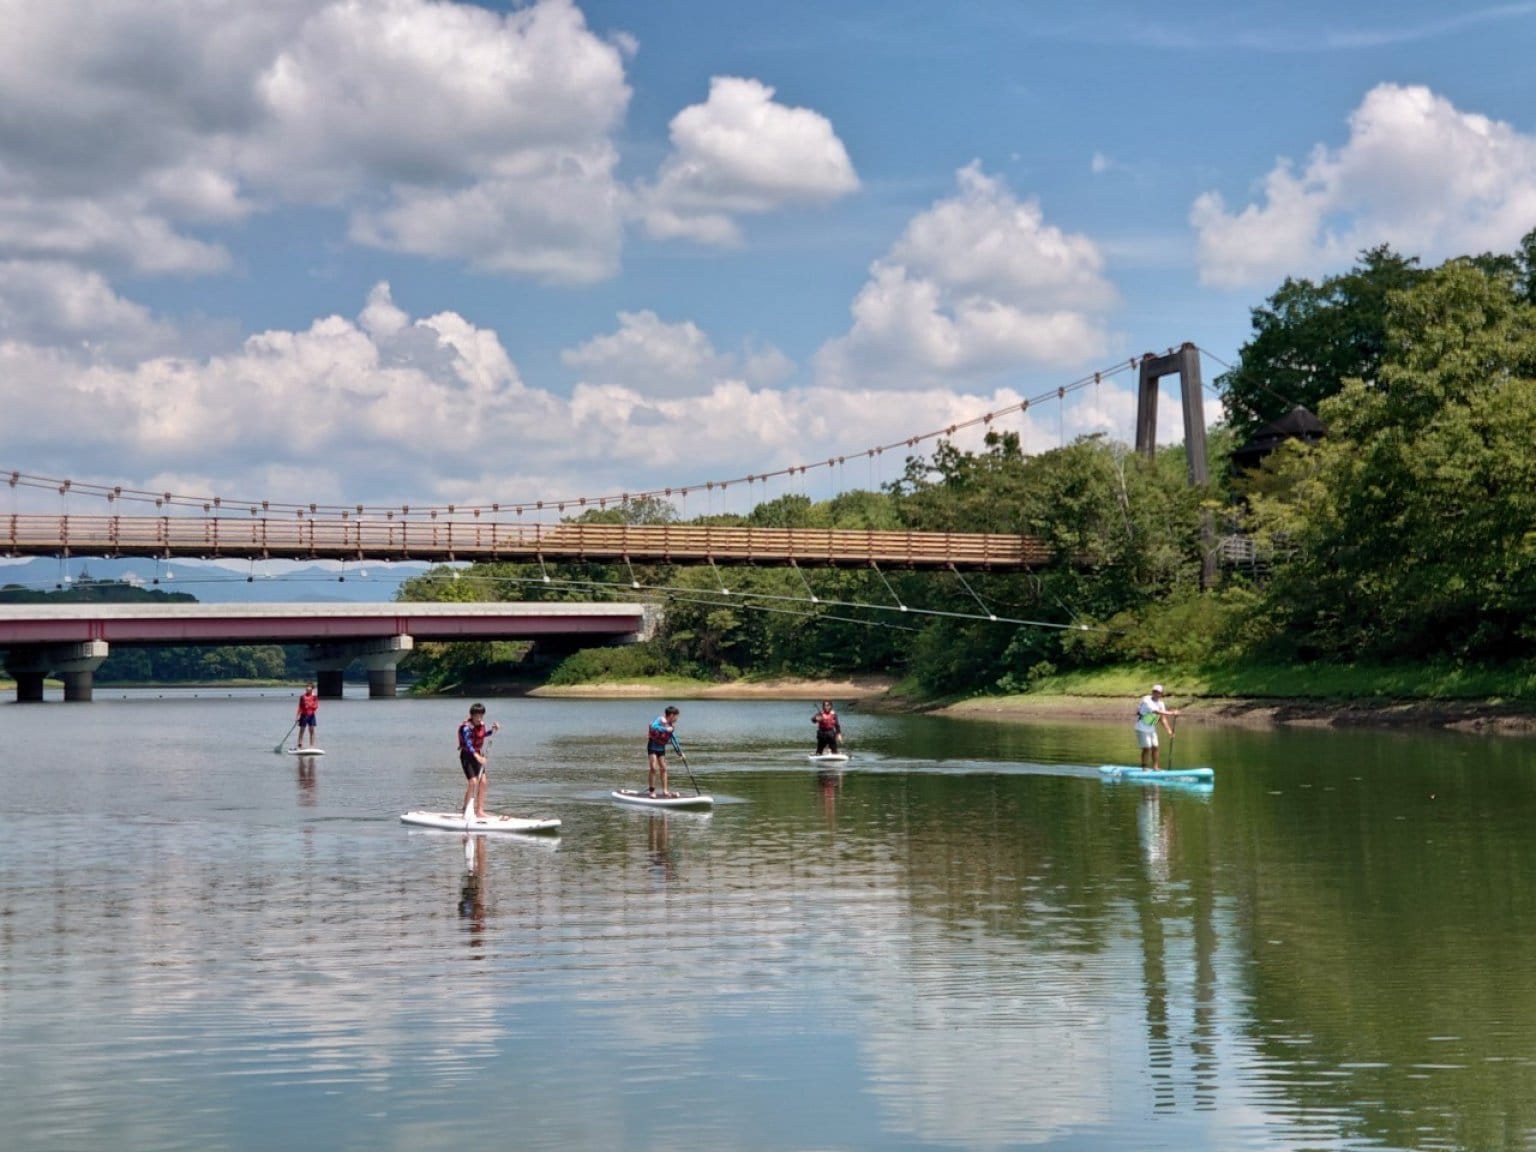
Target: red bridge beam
[22,624]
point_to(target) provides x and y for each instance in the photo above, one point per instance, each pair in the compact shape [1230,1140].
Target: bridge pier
[380,658]
[382,683]
[75,664]
[79,686]
[29,685]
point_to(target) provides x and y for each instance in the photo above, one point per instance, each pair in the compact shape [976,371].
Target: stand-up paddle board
[457,822]
[1164,776]
[306,752]
[647,800]
[828,758]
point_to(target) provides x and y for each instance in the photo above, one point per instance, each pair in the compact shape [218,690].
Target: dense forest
[166,665]
[1407,533]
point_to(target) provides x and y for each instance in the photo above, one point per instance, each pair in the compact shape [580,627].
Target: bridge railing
[440,539]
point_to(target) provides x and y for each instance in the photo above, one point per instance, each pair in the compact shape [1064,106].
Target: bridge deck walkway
[441,539]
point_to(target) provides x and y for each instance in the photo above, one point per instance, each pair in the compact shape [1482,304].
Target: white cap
[1157,687]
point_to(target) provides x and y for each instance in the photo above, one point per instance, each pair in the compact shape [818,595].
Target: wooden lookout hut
[1297,424]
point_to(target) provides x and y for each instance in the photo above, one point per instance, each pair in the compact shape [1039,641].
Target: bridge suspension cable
[229,506]
[728,598]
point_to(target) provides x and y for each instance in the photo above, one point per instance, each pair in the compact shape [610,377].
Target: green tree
[1123,532]
[1519,267]
[1414,523]
[635,510]
[1309,338]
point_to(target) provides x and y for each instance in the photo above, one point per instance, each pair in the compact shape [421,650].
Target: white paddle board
[828,758]
[646,800]
[306,752]
[456,822]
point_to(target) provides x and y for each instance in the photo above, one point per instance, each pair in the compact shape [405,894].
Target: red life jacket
[826,721]
[472,735]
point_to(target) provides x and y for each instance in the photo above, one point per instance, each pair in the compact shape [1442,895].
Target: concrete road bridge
[72,640]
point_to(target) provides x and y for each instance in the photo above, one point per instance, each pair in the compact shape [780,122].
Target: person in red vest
[661,733]
[309,707]
[472,758]
[829,730]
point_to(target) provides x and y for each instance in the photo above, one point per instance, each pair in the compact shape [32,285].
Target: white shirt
[1147,713]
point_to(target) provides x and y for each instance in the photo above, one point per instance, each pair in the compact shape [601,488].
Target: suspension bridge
[72,640]
[440,540]
[216,527]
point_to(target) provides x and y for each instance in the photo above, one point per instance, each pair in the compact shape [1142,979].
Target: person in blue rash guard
[472,758]
[657,737]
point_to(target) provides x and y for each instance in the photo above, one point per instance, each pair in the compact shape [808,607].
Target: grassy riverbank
[1320,695]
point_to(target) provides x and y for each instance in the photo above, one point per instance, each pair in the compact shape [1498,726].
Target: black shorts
[307,721]
[655,749]
[472,767]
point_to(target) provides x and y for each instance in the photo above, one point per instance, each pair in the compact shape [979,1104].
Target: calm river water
[966,940]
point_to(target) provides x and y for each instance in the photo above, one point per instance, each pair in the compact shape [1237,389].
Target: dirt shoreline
[852,688]
[1459,715]
[874,693]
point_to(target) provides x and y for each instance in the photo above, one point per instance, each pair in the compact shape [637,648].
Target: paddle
[484,779]
[1169,766]
[684,755]
[278,751]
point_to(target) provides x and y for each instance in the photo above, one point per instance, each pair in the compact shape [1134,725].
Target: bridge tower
[1186,363]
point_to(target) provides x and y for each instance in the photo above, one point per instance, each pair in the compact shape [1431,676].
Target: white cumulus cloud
[59,304]
[441,129]
[977,284]
[1416,173]
[386,407]
[742,153]
[649,356]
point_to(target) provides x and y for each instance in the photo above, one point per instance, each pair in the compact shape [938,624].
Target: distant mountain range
[361,583]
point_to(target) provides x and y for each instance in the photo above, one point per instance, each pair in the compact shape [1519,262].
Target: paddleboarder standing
[309,708]
[829,730]
[662,732]
[1151,712]
[472,758]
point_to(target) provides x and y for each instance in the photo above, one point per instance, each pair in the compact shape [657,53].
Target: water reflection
[663,864]
[1178,941]
[829,786]
[305,771]
[1154,830]
[472,892]
[1332,950]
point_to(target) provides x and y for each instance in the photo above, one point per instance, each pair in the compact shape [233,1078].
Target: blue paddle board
[1167,776]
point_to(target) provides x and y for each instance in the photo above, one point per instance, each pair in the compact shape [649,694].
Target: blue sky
[390,250]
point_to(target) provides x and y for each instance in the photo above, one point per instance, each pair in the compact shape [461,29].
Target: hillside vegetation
[1401,549]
